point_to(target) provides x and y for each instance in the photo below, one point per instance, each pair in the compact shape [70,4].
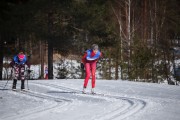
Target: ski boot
[92,91]
[14,85]
[84,90]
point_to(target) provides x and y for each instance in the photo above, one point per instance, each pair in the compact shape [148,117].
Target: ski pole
[28,78]
[5,84]
[27,85]
[8,80]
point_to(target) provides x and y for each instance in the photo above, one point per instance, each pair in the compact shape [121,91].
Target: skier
[18,64]
[46,73]
[89,61]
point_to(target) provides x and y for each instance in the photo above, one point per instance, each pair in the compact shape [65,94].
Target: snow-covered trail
[116,100]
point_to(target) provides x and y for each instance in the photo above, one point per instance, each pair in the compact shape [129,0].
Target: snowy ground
[116,100]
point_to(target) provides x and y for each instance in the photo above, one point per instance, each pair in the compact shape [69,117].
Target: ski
[98,94]
[24,90]
[14,89]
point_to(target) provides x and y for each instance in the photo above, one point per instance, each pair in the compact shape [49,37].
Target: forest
[138,38]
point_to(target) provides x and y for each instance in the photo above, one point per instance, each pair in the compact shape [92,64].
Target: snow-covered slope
[116,100]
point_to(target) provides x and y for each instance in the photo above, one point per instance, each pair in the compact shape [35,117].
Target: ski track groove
[33,111]
[44,96]
[57,102]
[134,107]
[129,108]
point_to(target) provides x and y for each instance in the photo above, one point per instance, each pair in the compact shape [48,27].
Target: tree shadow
[4,89]
[63,92]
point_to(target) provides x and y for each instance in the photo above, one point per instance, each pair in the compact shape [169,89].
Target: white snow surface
[115,100]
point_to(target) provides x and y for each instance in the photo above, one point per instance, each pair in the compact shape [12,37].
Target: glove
[28,70]
[82,66]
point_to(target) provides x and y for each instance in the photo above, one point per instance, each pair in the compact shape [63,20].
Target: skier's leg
[93,71]
[22,85]
[46,77]
[22,76]
[16,75]
[87,66]
[14,84]
[16,72]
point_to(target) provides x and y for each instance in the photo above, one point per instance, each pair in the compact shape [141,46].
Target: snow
[115,100]
[72,68]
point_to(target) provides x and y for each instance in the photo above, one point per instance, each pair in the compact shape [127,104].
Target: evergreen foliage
[135,36]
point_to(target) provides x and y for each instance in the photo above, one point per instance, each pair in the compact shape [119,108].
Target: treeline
[135,36]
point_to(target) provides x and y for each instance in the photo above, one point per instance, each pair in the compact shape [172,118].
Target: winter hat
[95,47]
[21,56]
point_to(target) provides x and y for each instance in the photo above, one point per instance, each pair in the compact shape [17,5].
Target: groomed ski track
[125,108]
[128,108]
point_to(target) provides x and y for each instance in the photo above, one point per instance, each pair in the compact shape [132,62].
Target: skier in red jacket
[46,73]
[89,61]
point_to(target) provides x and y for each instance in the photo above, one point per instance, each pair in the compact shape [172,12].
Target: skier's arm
[101,56]
[83,60]
[28,64]
[12,63]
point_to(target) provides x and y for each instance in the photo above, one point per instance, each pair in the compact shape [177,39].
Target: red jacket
[84,60]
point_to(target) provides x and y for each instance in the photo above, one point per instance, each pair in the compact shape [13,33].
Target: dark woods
[135,36]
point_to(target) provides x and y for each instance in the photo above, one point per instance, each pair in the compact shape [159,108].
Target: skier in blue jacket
[18,64]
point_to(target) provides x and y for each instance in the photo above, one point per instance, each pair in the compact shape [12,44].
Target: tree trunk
[50,45]
[42,58]
[128,32]
[50,59]
[109,69]
[1,56]
[117,65]
[144,21]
